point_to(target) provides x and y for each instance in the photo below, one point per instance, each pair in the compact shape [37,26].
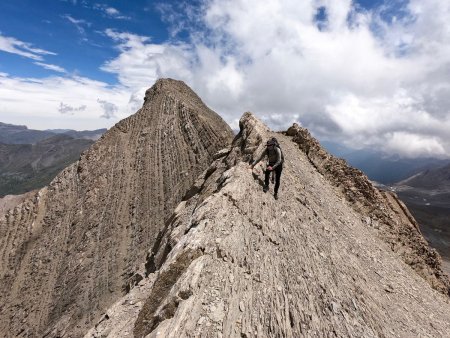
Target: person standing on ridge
[275,158]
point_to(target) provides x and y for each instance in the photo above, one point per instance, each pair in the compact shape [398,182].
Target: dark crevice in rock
[209,172]
[133,281]
[258,179]
[194,190]
[150,266]
[291,319]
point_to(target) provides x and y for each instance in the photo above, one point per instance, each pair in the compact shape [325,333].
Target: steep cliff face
[235,262]
[69,253]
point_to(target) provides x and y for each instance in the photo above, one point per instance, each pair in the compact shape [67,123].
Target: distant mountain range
[427,195]
[13,134]
[381,168]
[30,159]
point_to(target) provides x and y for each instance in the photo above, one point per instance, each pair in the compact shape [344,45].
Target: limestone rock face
[235,262]
[68,254]
[380,209]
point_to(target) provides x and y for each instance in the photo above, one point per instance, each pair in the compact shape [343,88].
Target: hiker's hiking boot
[275,196]
[265,188]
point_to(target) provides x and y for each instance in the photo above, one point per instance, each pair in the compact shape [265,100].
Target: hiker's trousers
[277,171]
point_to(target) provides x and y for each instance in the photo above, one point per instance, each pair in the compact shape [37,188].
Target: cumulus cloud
[140,62]
[15,46]
[364,78]
[111,12]
[66,109]
[109,109]
[60,102]
[367,78]
[414,145]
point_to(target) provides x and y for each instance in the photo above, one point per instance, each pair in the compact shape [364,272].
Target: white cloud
[66,109]
[63,102]
[109,109]
[141,63]
[374,79]
[51,67]
[78,23]
[14,46]
[346,81]
[111,12]
[413,145]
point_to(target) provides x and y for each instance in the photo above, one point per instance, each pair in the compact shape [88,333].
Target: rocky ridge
[380,209]
[326,259]
[69,253]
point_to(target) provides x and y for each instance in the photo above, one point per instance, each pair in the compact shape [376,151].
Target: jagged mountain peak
[175,88]
[168,85]
[235,262]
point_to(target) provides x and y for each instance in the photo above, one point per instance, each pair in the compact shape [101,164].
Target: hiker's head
[270,144]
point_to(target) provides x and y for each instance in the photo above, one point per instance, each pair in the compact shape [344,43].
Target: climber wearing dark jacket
[275,157]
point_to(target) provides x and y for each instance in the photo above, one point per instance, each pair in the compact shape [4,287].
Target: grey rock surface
[318,262]
[69,254]
[381,209]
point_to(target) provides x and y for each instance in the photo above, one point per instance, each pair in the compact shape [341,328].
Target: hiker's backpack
[274,140]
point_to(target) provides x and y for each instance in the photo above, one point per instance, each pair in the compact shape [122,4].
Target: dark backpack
[274,140]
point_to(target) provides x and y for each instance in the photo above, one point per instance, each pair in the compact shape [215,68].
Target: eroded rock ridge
[379,208]
[235,262]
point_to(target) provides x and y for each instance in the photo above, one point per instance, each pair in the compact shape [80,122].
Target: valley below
[431,209]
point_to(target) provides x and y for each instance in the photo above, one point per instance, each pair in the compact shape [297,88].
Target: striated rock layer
[68,254]
[382,210]
[318,262]
[11,201]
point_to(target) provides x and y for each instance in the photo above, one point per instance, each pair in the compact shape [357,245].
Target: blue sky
[74,30]
[365,73]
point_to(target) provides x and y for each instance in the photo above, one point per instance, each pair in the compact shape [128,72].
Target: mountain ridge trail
[235,262]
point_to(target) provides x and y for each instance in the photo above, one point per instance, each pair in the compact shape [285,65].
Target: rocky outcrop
[67,255]
[11,201]
[380,209]
[235,262]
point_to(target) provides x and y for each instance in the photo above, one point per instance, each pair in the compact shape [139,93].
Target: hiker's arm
[255,162]
[278,162]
